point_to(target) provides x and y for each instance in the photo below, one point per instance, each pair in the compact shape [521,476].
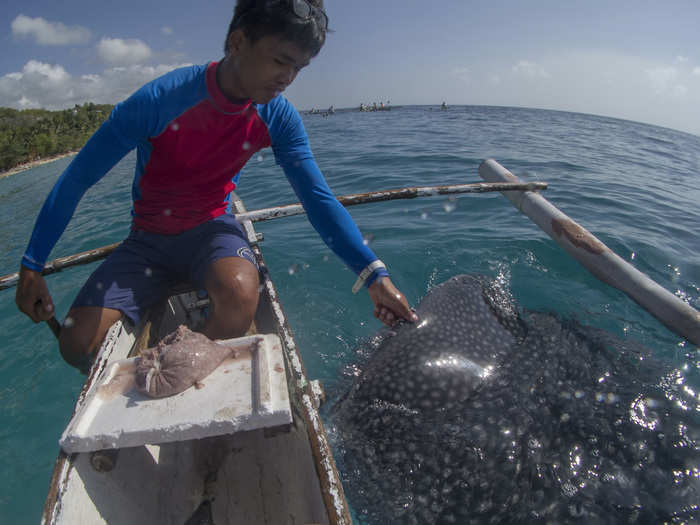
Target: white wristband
[364,274]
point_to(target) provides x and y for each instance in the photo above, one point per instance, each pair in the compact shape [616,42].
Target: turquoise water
[636,187]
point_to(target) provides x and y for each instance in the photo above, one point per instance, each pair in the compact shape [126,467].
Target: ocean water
[635,186]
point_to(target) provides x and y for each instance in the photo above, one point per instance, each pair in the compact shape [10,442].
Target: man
[194,129]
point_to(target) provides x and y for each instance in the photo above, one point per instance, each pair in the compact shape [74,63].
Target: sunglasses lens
[301,8]
[324,21]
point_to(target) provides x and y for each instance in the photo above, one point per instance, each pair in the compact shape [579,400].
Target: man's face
[265,68]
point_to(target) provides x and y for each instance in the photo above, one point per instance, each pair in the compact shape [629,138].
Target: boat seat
[247,391]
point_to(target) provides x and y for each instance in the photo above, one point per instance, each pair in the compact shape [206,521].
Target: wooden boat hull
[283,475]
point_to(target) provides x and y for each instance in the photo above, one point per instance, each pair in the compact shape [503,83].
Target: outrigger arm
[288,210]
[597,258]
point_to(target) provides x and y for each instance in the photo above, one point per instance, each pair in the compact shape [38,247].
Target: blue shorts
[143,268]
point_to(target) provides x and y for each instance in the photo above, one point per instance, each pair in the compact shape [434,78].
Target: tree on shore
[31,134]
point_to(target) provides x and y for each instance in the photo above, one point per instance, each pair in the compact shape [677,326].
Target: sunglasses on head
[302,9]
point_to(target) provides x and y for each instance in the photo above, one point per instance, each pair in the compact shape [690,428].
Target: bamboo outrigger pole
[597,258]
[265,214]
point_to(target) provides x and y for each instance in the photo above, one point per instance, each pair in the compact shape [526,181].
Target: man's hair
[257,21]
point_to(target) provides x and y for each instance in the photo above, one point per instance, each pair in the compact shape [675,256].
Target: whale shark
[482,412]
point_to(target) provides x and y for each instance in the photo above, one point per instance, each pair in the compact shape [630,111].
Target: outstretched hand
[33,297]
[389,304]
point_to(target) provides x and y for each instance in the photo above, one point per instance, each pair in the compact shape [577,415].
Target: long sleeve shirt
[191,144]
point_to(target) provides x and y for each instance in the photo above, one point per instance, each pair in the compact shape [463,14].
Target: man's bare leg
[83,331]
[232,285]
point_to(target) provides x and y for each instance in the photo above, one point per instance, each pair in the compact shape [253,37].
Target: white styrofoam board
[244,393]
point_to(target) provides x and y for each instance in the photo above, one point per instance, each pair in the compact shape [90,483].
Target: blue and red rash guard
[191,144]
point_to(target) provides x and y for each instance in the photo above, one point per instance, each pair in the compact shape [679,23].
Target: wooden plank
[276,212]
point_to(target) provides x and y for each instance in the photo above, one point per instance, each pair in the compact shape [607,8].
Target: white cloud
[166,30]
[49,33]
[599,82]
[53,74]
[679,90]
[25,103]
[41,85]
[462,73]
[123,52]
[663,79]
[529,69]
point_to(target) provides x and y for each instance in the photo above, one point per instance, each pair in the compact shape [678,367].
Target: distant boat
[329,111]
[375,107]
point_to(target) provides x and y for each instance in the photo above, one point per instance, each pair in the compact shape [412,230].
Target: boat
[323,113]
[281,474]
[375,107]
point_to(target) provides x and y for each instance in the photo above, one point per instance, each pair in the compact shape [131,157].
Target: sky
[636,60]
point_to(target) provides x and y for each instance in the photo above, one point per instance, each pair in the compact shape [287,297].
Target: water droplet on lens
[148,272]
[424,215]
[68,322]
[246,145]
[367,239]
[450,204]
[260,158]
[325,258]
[167,212]
[175,126]
[294,268]
[99,286]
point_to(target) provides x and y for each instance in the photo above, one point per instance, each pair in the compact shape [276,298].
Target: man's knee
[82,334]
[233,285]
[76,346]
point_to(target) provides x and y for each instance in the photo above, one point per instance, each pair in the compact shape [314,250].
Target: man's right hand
[33,297]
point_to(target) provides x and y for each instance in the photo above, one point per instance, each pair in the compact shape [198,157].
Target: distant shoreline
[34,163]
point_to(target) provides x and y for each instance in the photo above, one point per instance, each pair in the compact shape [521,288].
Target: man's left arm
[337,229]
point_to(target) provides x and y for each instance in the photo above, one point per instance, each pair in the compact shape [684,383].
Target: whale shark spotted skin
[481,414]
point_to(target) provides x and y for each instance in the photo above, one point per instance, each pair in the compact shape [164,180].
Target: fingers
[386,316]
[397,303]
[390,304]
[43,308]
[26,306]
[33,297]
[403,310]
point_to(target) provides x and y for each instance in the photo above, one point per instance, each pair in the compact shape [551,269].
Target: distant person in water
[194,129]
[444,106]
